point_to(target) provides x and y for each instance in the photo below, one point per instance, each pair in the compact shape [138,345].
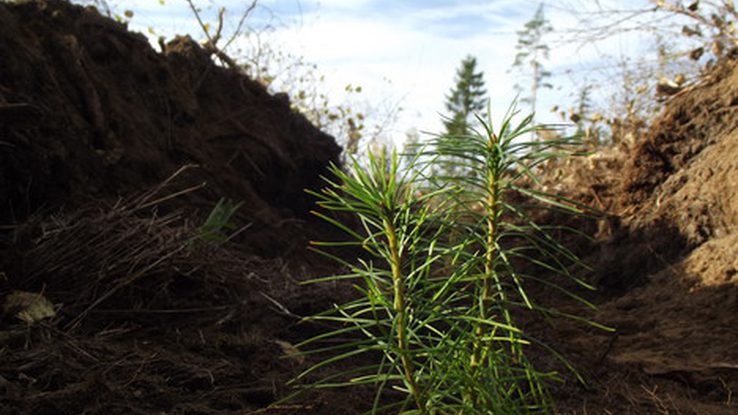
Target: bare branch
[241,22]
[211,45]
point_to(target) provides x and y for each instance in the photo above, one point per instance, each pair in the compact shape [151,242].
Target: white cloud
[417,44]
[414,50]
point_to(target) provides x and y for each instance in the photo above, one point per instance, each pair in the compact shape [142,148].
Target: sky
[404,53]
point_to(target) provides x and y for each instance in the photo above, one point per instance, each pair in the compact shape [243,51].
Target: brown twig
[211,45]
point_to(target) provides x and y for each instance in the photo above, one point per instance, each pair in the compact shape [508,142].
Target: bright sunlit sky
[405,52]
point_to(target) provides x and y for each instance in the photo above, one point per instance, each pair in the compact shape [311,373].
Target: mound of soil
[90,110]
[679,328]
[112,154]
[666,263]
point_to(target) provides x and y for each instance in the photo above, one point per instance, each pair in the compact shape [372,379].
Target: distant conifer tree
[532,51]
[467,97]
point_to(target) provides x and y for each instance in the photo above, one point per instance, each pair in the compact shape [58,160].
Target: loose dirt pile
[104,148]
[111,157]
[666,263]
[90,110]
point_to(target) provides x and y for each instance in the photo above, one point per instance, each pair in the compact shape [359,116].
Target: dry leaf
[29,307]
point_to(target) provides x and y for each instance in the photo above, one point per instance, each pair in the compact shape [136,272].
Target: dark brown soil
[91,111]
[112,155]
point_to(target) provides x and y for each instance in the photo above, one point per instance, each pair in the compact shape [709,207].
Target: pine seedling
[439,282]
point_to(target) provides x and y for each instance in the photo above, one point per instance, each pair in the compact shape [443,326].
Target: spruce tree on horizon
[466,98]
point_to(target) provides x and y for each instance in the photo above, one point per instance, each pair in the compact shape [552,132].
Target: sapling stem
[487,292]
[400,305]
